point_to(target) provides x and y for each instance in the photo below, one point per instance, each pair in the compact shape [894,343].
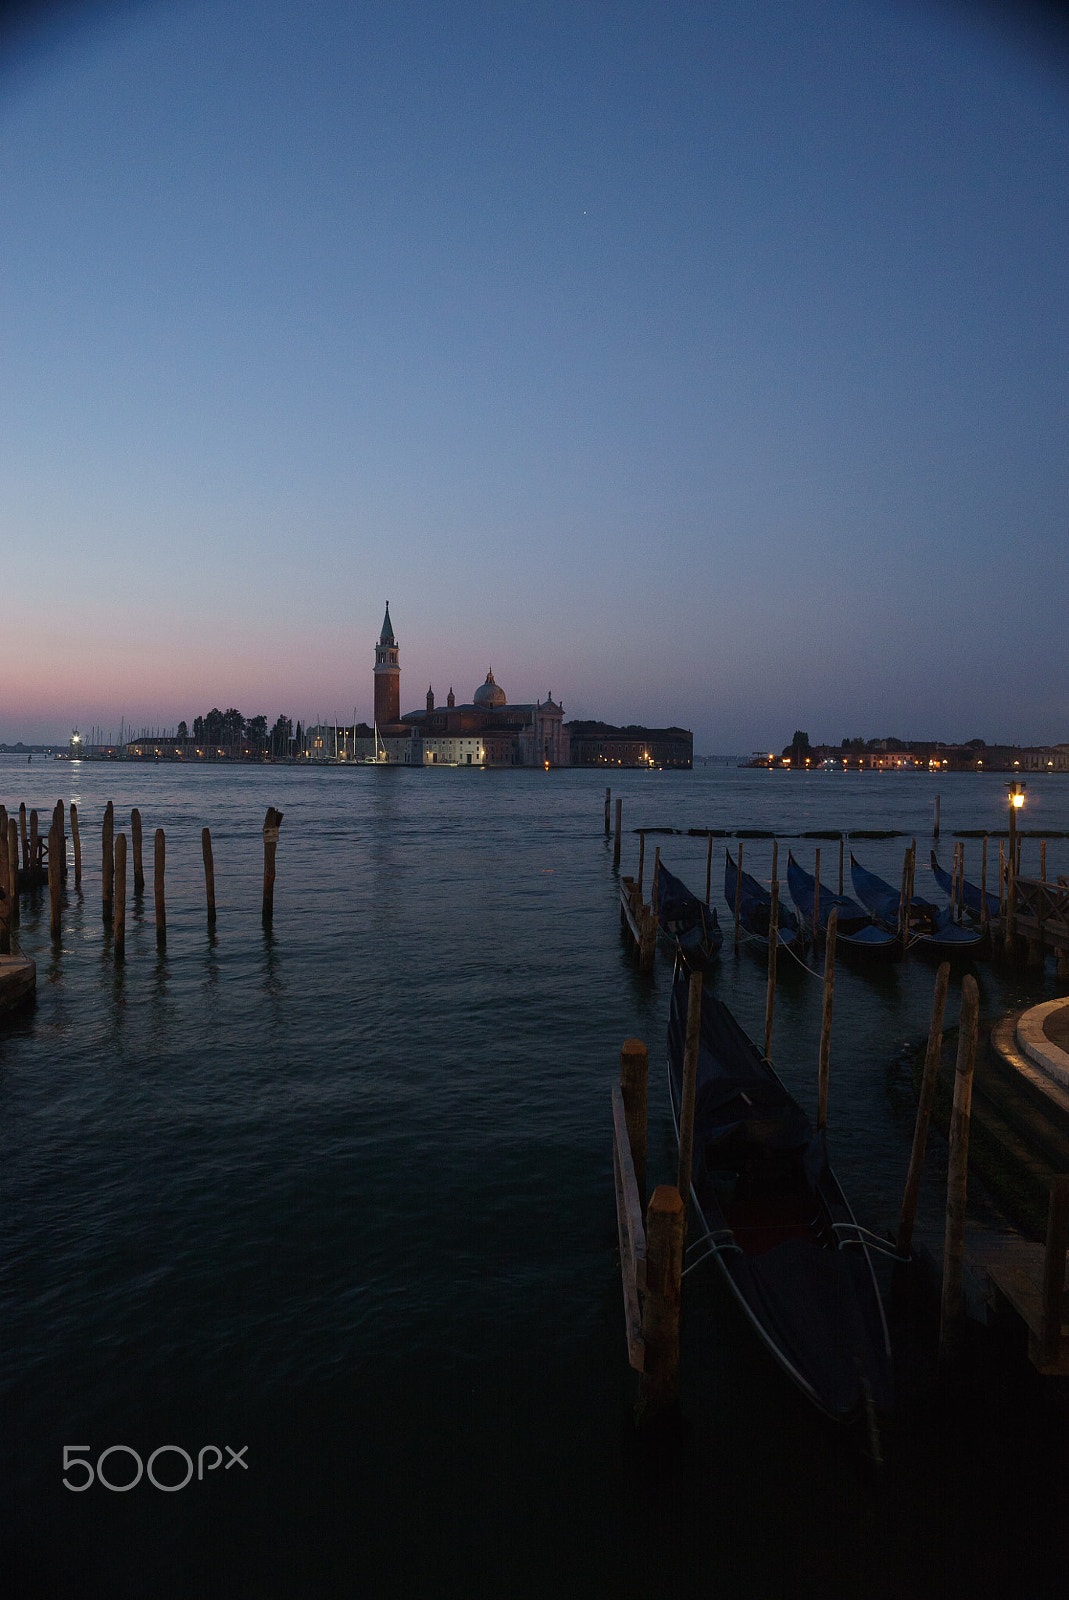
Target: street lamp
[1016,799]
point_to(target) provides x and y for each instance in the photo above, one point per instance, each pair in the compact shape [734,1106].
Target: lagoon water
[342,1193]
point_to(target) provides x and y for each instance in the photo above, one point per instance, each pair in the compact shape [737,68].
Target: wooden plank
[631,1232]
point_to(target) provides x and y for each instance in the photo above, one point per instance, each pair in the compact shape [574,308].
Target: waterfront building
[599,744]
[487,731]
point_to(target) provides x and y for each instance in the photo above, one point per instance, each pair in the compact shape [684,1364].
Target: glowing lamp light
[1016,791]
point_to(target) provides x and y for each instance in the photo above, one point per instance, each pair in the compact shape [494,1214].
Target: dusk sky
[702,363]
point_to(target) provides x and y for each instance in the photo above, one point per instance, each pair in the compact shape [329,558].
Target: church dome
[489,695]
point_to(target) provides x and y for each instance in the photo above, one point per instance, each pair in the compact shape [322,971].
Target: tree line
[251,735]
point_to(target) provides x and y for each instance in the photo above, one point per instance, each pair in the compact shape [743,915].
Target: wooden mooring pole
[935,830]
[619,826]
[139,867]
[5,889]
[825,1020]
[738,893]
[25,839]
[709,869]
[13,868]
[641,858]
[272,822]
[159,863]
[55,878]
[77,839]
[119,924]
[773,947]
[107,839]
[209,873]
[950,1310]
[608,802]
[690,1078]
[924,1112]
[659,1390]
[634,1080]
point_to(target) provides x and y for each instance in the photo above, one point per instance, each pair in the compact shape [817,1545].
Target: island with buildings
[489,730]
[916,755]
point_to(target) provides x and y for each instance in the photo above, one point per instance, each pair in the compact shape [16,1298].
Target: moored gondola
[970,892]
[690,924]
[930,928]
[755,907]
[772,1214]
[857,933]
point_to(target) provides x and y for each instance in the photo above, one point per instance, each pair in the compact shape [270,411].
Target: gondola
[755,907]
[970,893]
[931,928]
[771,1212]
[689,923]
[856,931]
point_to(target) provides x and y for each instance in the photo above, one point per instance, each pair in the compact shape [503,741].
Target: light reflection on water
[343,1188]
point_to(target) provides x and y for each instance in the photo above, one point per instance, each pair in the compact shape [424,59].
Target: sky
[699,363]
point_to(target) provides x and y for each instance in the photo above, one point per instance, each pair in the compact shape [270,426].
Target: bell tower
[387,676]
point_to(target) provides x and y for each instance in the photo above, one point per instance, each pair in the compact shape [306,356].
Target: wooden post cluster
[950,1311]
[272,823]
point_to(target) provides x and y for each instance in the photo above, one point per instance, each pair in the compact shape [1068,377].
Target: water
[342,1193]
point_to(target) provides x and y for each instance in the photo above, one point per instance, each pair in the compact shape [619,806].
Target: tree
[256,734]
[281,734]
[198,728]
[183,731]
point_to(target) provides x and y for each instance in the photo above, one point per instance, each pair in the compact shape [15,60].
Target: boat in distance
[856,930]
[755,907]
[691,924]
[970,892]
[931,928]
[772,1214]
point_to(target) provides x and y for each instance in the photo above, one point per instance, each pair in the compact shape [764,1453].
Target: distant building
[488,731]
[599,744]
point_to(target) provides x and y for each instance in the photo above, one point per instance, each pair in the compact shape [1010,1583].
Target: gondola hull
[772,1213]
[931,928]
[856,931]
[755,908]
[687,923]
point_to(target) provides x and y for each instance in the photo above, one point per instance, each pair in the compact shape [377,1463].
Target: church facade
[488,731]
